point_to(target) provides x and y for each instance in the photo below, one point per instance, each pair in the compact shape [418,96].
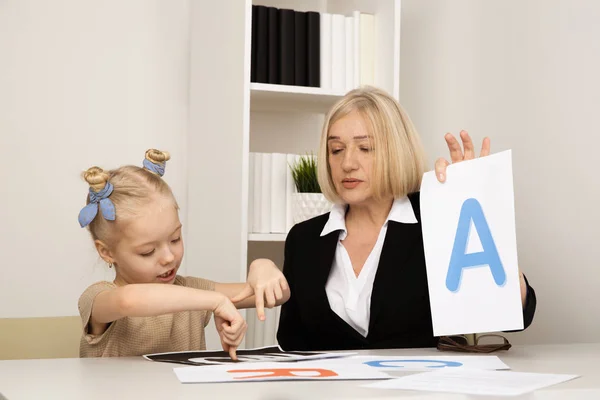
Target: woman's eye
[176,240]
[335,151]
[365,149]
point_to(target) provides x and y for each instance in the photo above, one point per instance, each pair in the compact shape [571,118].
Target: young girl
[133,218]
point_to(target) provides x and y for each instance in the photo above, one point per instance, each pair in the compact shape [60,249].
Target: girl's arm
[150,299]
[266,285]
[232,290]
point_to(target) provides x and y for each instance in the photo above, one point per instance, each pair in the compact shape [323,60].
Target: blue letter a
[471,211]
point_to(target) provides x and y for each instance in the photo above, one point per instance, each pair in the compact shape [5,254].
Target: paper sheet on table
[477,382]
[260,354]
[280,371]
[422,363]
[470,245]
[567,394]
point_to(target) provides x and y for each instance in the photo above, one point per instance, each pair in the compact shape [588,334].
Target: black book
[300,49]
[262,44]
[287,52]
[253,45]
[274,75]
[313,42]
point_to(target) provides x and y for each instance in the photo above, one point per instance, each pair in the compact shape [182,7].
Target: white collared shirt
[350,296]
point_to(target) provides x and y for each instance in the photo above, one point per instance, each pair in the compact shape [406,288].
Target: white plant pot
[308,205]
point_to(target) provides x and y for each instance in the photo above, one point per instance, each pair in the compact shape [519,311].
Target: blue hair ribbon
[158,169]
[98,200]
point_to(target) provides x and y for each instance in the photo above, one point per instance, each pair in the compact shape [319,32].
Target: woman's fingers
[456,153]
[440,169]
[244,294]
[270,297]
[278,291]
[467,145]
[485,147]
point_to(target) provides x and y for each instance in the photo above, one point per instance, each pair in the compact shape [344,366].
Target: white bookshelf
[231,117]
[267,237]
[268,97]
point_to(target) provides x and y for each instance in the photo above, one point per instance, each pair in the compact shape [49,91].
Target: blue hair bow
[158,169]
[98,200]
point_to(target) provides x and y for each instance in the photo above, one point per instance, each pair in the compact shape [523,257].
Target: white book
[367,49]
[270,327]
[259,332]
[325,50]
[278,192]
[250,192]
[356,42]
[265,197]
[277,316]
[349,31]
[338,52]
[256,203]
[290,187]
[250,321]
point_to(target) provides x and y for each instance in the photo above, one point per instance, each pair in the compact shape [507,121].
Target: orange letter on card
[284,372]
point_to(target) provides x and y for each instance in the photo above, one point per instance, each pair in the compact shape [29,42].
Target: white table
[132,378]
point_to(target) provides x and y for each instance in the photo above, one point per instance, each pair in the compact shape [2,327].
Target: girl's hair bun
[96,178]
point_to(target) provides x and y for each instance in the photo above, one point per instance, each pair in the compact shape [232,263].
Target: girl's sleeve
[202,284]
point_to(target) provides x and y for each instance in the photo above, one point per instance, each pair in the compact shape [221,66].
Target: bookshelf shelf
[267,237]
[268,97]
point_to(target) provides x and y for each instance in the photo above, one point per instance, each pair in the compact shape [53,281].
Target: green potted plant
[308,201]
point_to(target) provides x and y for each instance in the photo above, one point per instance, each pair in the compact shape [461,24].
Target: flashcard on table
[470,243]
[422,363]
[279,371]
[261,354]
[476,382]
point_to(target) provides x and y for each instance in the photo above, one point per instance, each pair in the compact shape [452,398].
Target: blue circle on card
[439,363]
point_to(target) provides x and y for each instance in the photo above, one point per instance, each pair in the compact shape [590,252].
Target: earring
[110,265]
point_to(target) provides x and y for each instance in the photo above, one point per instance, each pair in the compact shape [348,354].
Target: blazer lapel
[321,267]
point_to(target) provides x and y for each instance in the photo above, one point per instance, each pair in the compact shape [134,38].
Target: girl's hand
[267,283]
[231,326]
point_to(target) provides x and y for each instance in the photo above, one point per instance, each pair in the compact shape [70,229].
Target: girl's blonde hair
[133,187]
[399,161]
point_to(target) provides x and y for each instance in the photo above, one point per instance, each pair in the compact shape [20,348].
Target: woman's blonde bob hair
[399,161]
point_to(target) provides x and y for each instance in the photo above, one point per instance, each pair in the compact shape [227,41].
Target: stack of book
[330,51]
[270,191]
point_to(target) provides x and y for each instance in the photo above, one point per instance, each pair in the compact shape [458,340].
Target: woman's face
[350,155]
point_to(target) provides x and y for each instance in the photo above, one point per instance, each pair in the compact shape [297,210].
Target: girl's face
[150,248]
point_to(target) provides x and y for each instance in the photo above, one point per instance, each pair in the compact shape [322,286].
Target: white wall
[285,132]
[216,245]
[81,83]
[524,73]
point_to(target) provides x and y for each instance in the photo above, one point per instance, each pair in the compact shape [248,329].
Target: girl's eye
[148,254]
[176,240]
[335,151]
[365,149]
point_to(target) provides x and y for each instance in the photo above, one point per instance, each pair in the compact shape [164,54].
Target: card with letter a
[470,245]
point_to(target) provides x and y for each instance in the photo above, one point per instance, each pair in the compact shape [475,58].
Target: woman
[357,274]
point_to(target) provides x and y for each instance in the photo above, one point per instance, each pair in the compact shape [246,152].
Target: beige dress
[135,336]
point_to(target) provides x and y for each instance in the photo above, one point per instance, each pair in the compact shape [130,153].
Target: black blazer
[400,310]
